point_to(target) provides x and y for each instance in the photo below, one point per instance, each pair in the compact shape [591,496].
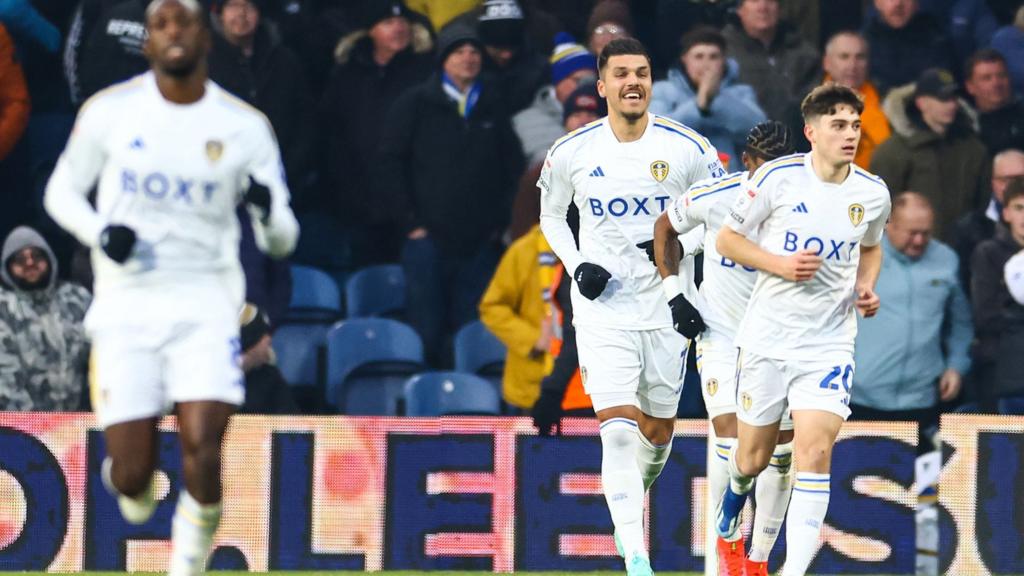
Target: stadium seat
[478,351]
[300,358]
[315,297]
[450,393]
[368,362]
[375,291]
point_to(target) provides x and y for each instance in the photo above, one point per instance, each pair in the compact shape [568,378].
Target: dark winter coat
[952,170]
[358,99]
[899,56]
[452,175]
[272,81]
[999,320]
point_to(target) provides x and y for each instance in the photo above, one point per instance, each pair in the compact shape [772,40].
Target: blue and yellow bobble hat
[568,57]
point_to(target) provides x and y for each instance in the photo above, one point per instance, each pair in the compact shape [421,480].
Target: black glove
[547,412]
[591,279]
[258,196]
[685,318]
[117,242]
[648,247]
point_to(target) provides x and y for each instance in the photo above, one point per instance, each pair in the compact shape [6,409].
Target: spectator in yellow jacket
[441,12]
[521,308]
[515,310]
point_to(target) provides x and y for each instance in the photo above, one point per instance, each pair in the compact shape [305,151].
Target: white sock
[739,483]
[718,467]
[192,535]
[622,483]
[803,523]
[773,489]
[651,459]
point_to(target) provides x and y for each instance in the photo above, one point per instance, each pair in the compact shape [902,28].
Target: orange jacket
[14,102]
[874,126]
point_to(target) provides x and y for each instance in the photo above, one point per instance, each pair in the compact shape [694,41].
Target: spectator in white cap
[541,124]
[518,69]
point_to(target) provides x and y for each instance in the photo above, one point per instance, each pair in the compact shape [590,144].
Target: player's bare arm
[798,267]
[867,274]
[667,250]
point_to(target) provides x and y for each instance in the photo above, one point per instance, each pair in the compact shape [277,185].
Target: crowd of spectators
[412,133]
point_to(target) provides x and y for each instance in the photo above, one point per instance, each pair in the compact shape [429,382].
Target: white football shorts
[141,371]
[766,385]
[716,362]
[643,368]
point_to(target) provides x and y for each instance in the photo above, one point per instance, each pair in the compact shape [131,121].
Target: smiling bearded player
[622,171]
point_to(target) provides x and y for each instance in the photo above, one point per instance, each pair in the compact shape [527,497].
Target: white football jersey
[725,291]
[620,189]
[795,210]
[175,175]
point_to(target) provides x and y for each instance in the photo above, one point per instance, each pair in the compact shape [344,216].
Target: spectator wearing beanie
[385,57]
[249,60]
[703,92]
[582,107]
[610,19]
[517,68]
[448,166]
[540,125]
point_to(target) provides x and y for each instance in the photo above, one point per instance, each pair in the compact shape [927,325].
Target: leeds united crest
[856,214]
[214,150]
[659,169]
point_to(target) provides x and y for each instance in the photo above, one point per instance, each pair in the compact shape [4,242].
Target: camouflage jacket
[44,354]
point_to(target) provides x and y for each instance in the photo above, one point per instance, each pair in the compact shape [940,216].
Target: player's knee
[753,462]
[815,456]
[131,477]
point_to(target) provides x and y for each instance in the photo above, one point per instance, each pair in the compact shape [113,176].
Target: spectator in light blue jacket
[916,350]
[704,93]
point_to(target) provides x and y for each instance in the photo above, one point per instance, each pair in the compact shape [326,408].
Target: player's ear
[600,88]
[809,132]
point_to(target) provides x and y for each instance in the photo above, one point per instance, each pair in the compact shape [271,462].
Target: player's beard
[633,117]
[182,69]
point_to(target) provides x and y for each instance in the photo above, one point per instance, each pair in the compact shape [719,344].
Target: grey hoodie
[43,348]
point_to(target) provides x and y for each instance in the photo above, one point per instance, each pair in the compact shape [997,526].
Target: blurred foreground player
[174,155]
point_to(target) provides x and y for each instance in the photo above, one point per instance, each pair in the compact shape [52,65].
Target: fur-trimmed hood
[906,120]
[422,42]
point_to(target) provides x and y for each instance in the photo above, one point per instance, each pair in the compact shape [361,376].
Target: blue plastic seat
[450,393]
[299,350]
[375,291]
[315,296]
[478,351]
[368,362]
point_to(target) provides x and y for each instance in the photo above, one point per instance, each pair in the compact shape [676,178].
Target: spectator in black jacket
[377,63]
[980,225]
[449,165]
[517,68]
[1000,111]
[904,43]
[113,49]
[249,60]
[999,319]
